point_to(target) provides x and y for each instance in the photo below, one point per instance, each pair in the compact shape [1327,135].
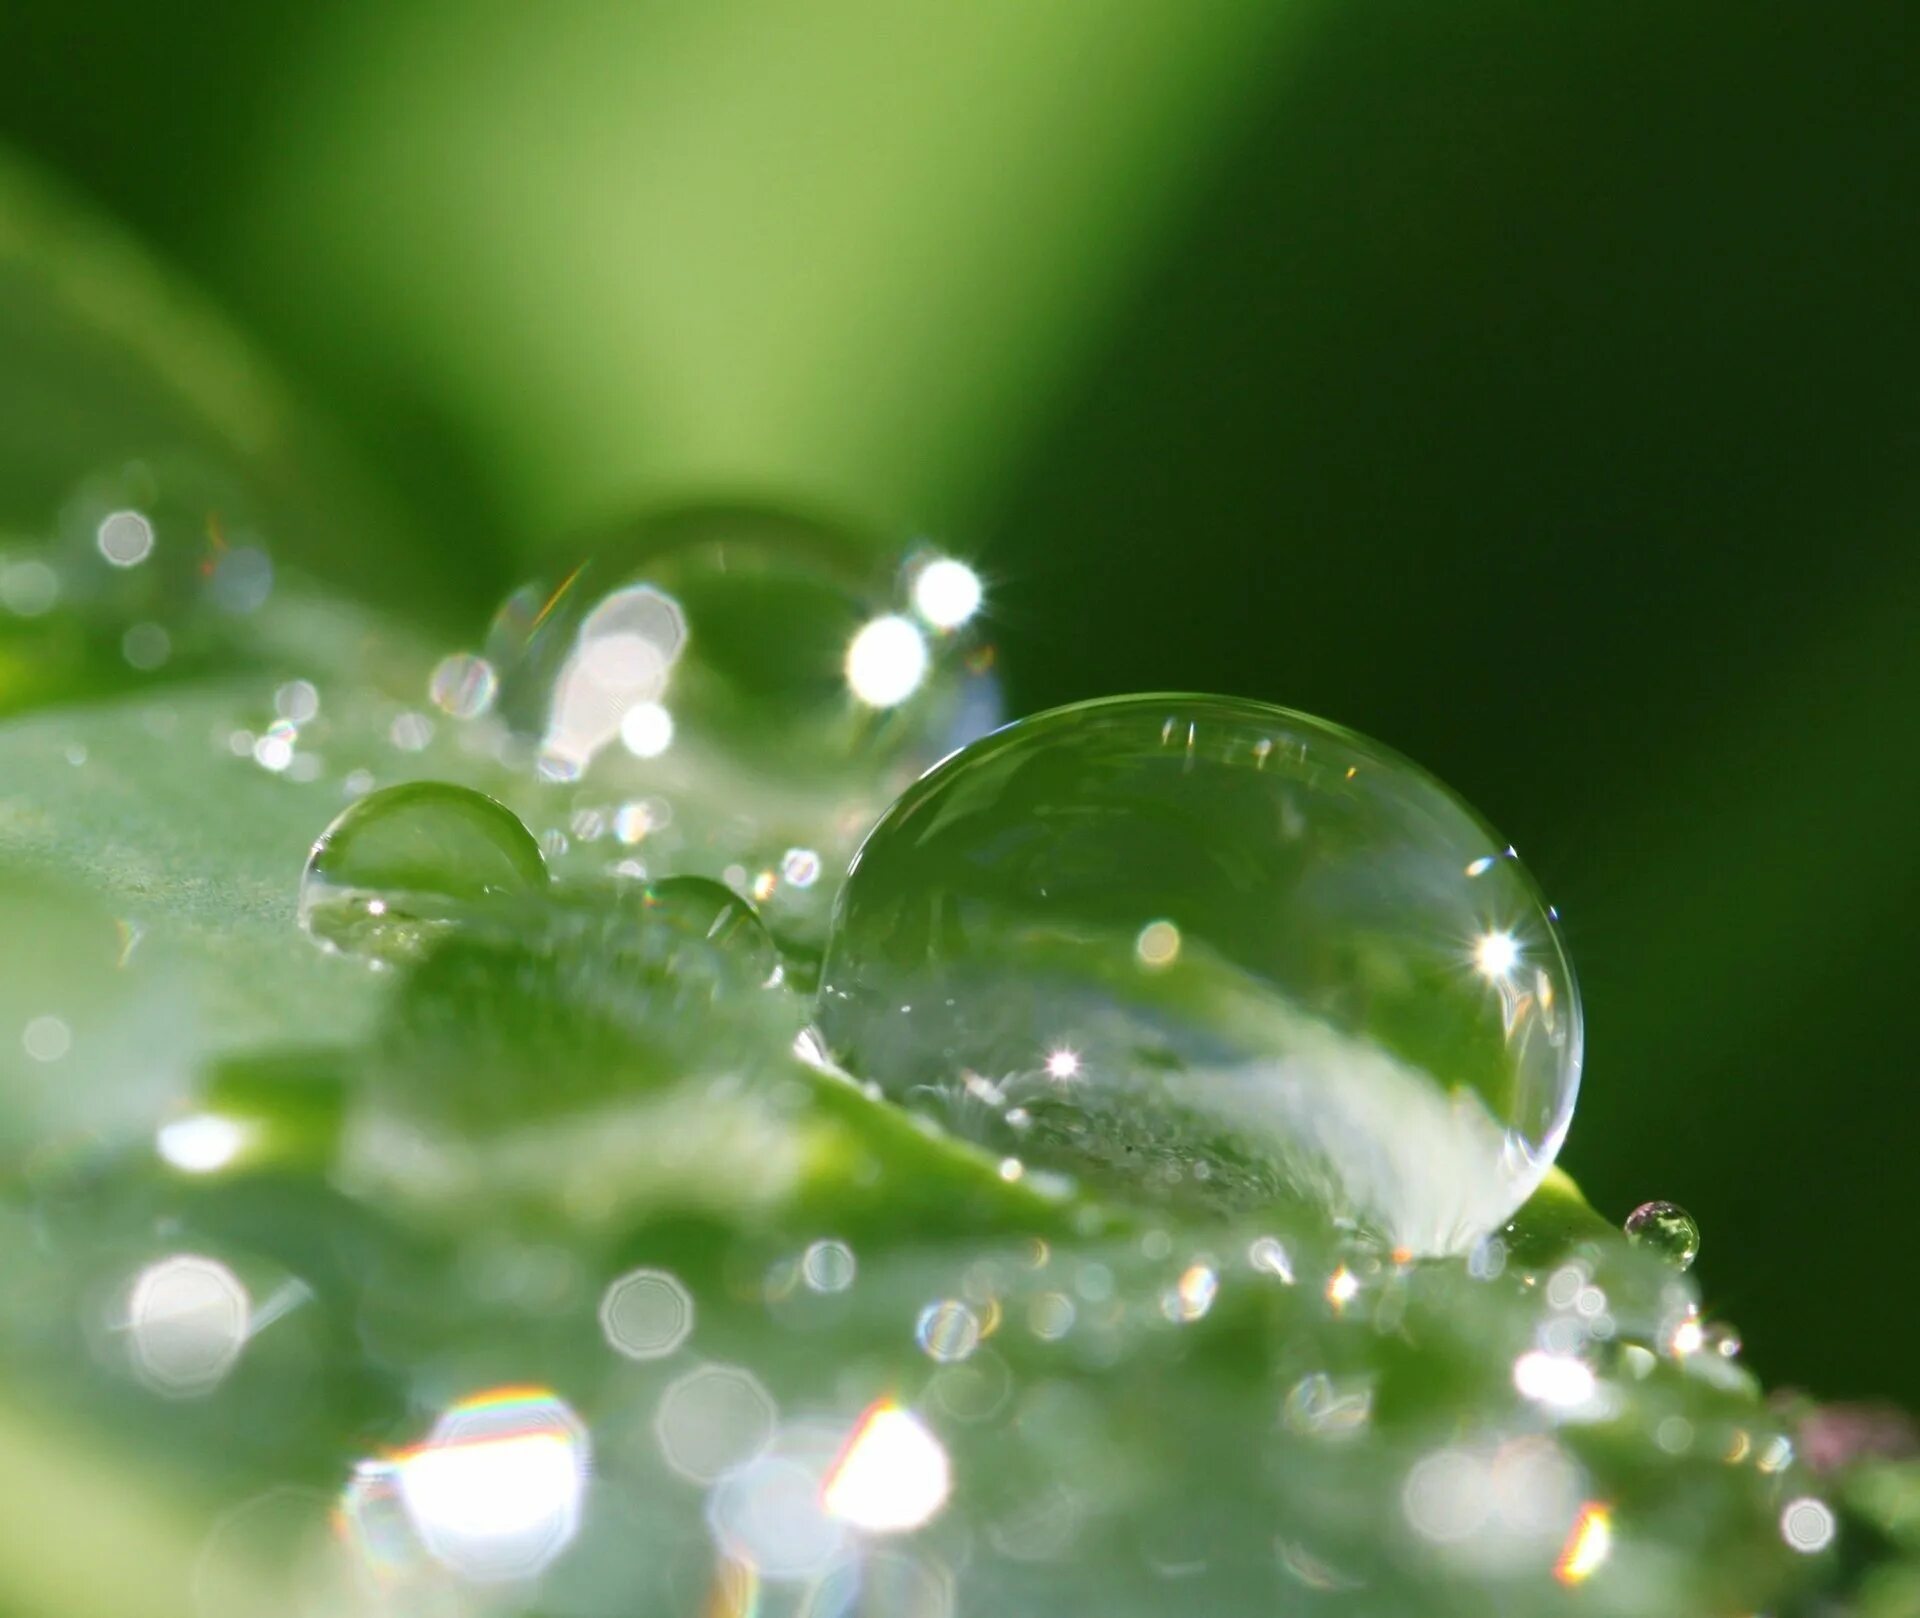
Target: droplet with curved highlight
[399,867]
[1217,953]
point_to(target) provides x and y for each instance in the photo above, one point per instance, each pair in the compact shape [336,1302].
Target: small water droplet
[401,865]
[1667,1229]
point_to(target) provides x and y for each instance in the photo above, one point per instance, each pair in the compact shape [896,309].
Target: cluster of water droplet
[575,1283]
[1186,948]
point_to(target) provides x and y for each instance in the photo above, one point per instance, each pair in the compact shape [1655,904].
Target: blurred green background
[1530,386]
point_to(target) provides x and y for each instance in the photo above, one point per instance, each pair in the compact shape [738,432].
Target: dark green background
[1532,386]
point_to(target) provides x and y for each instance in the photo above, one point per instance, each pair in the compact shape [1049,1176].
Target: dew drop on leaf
[400,866]
[761,670]
[1217,953]
[1666,1229]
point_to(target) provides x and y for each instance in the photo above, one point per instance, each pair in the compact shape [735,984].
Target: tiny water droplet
[398,867]
[1221,954]
[1667,1229]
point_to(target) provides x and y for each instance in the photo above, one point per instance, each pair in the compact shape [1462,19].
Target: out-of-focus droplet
[1667,1229]
[1217,952]
[400,866]
[947,1331]
[646,1314]
[892,1476]
[829,1266]
[495,1493]
[463,685]
[759,670]
[946,592]
[187,1320]
[713,1419]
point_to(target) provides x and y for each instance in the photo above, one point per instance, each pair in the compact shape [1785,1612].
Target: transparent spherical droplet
[1214,952]
[760,671]
[1667,1229]
[401,865]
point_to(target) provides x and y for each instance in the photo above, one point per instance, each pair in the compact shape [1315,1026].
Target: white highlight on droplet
[886,662]
[646,730]
[893,1475]
[946,593]
[1496,954]
[1560,1380]
[1063,1063]
[202,1144]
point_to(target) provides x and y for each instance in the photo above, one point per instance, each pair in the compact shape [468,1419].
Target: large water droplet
[1667,1229]
[1215,951]
[759,671]
[400,866]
